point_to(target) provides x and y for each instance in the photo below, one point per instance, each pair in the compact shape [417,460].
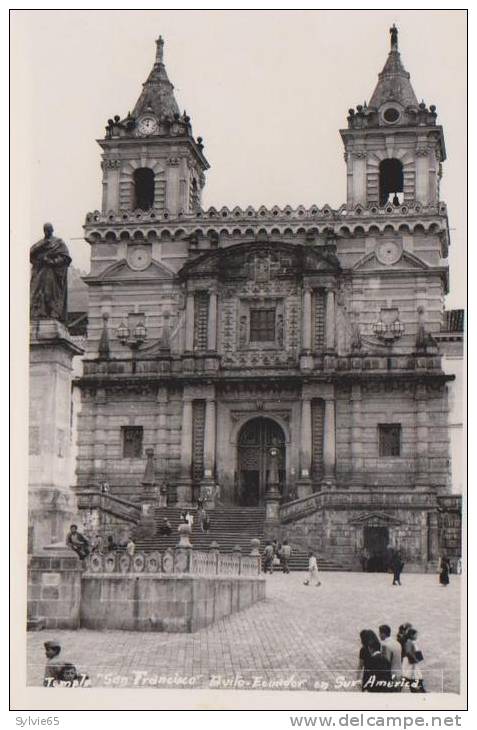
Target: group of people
[77,542]
[390,665]
[276,556]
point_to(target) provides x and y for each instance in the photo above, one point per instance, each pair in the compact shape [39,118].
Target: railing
[224,214]
[332,499]
[175,561]
[93,499]
[197,363]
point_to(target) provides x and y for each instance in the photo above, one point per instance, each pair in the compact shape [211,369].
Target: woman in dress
[367,637]
[410,664]
[444,570]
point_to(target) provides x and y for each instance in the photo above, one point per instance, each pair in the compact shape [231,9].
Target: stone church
[287,355]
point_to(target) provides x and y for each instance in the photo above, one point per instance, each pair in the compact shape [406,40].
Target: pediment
[406,262]
[121,271]
[261,260]
[375,519]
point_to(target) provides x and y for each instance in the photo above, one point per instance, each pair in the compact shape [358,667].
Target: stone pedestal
[51,502]
[303,488]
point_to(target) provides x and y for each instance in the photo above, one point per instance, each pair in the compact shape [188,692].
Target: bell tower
[151,161]
[393,146]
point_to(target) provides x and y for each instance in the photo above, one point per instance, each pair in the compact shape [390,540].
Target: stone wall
[54,591]
[164,602]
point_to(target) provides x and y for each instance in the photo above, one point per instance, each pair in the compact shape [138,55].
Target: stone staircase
[230,526]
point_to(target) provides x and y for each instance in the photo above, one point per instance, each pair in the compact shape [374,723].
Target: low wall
[180,590]
[158,602]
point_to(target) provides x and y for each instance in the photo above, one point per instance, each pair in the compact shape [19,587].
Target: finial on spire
[160,50]
[394,37]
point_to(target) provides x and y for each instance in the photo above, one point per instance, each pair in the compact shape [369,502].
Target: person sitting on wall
[130,547]
[77,542]
[97,544]
[111,545]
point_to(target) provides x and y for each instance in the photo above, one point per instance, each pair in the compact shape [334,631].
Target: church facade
[226,345]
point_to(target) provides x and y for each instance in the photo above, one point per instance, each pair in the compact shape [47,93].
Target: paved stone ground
[304,635]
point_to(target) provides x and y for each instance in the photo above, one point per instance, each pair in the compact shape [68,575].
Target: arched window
[143,188]
[391,181]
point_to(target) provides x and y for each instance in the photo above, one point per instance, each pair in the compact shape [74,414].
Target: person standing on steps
[268,555]
[312,570]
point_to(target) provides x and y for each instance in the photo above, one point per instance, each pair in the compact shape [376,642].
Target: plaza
[299,638]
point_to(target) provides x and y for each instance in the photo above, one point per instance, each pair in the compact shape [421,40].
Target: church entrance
[255,440]
[376,541]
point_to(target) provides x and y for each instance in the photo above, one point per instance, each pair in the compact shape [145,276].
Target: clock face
[389,252]
[139,258]
[147,126]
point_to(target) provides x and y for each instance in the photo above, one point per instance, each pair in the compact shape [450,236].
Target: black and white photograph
[239,247]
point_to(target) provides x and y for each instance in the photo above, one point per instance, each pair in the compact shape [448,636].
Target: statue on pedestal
[49,260]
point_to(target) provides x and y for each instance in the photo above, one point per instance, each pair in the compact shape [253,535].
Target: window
[132,441]
[391,180]
[389,439]
[143,188]
[262,325]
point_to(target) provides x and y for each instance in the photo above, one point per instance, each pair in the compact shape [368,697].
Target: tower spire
[160,50]
[158,92]
[394,81]
[394,37]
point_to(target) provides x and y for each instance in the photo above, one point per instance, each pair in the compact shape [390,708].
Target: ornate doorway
[255,440]
[376,541]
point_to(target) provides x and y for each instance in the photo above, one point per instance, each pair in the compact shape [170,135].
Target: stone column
[51,502]
[189,337]
[184,486]
[422,438]
[330,319]
[304,482]
[306,319]
[329,447]
[209,440]
[161,432]
[212,322]
[357,464]
[432,536]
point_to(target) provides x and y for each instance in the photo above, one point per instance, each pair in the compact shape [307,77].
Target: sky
[267,90]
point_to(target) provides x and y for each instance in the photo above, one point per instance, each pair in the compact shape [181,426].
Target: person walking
[365,636]
[285,556]
[378,668]
[392,651]
[412,658]
[444,570]
[397,565]
[312,570]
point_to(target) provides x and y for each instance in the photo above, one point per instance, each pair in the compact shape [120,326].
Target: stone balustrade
[355,365]
[175,561]
[335,499]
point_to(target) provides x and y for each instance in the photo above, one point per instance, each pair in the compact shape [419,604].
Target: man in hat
[54,666]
